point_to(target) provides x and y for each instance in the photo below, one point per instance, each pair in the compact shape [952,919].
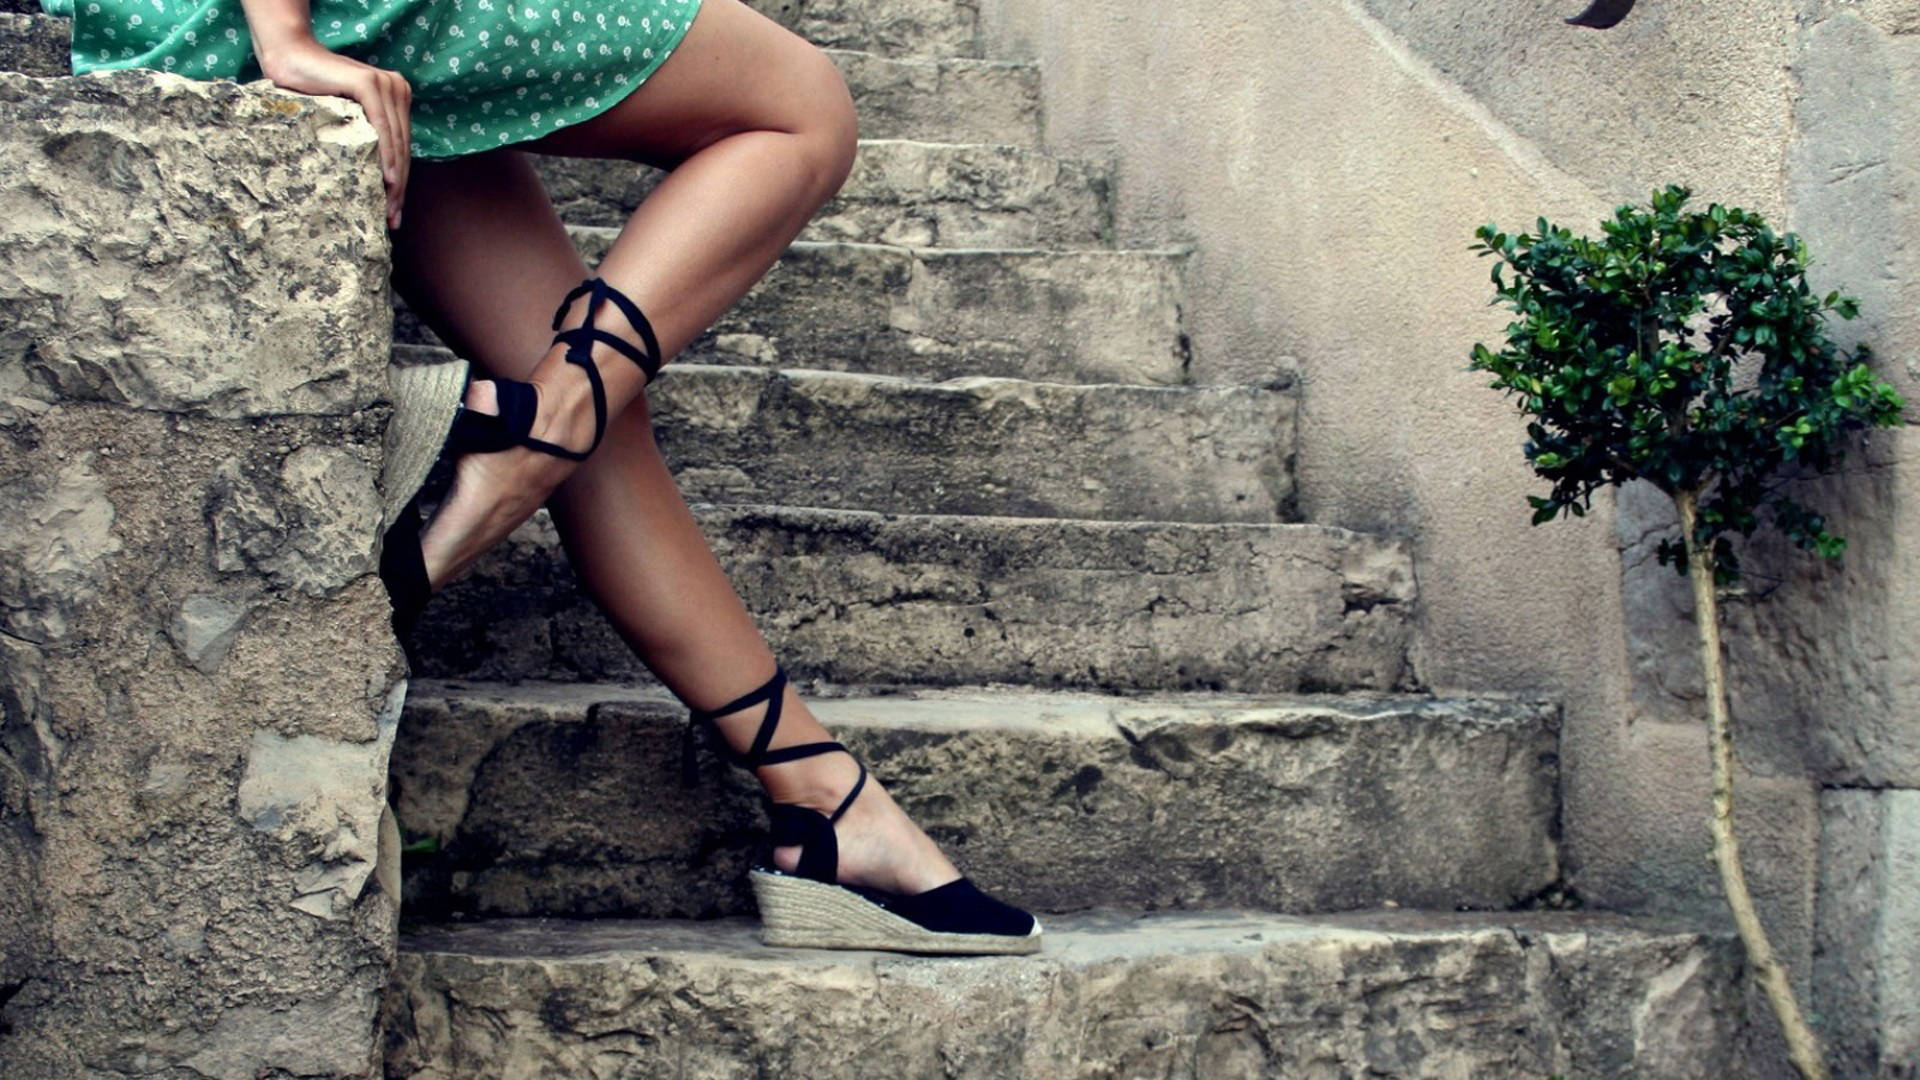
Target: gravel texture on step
[1199,996]
[916,194]
[973,446]
[894,27]
[937,600]
[553,799]
[943,313]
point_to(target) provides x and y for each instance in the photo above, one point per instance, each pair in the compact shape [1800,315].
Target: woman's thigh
[483,258]
[735,70]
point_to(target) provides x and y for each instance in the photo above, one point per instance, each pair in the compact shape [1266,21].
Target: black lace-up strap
[519,403]
[792,825]
[773,694]
[812,832]
[580,341]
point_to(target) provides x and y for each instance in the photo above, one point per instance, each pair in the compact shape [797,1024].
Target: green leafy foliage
[1684,349]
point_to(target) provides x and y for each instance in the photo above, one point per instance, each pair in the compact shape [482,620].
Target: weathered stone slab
[193,753]
[943,100]
[1057,801]
[33,44]
[978,446]
[916,194]
[260,206]
[1109,316]
[936,600]
[973,446]
[894,27]
[1195,997]
[199,692]
[1093,316]
[1866,978]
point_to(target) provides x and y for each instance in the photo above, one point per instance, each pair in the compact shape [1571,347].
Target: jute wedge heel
[810,908]
[798,912]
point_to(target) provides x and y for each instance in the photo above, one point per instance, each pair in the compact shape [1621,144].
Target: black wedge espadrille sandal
[808,907]
[402,564]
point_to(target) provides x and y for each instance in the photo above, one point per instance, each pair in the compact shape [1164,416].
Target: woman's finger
[375,106]
[390,151]
[401,101]
[307,67]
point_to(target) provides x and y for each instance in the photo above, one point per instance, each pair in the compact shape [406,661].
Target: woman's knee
[831,129]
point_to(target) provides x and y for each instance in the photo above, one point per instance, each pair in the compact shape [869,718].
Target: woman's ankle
[566,413]
[818,783]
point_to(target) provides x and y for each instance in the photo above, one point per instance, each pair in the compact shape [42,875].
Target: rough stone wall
[197,684]
[1329,159]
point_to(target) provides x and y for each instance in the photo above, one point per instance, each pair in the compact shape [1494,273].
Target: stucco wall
[1328,159]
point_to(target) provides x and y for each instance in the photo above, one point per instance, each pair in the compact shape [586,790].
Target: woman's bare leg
[481,257]
[758,129]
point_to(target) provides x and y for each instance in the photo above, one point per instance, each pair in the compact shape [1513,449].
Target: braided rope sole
[802,913]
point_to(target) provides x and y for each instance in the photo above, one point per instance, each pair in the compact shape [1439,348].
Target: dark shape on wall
[1602,14]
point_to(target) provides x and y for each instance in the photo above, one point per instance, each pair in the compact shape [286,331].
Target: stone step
[935,600]
[892,27]
[972,446]
[1058,801]
[900,192]
[1194,996]
[943,100]
[939,313]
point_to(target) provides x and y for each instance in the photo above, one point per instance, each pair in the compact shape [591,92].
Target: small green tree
[1685,349]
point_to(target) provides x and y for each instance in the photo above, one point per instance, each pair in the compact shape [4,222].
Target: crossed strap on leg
[580,341]
[792,824]
[476,432]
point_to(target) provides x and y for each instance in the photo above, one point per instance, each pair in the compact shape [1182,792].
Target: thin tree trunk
[1803,1047]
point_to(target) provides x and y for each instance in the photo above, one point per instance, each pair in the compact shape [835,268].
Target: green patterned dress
[485,73]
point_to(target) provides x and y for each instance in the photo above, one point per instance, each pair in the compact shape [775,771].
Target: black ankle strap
[580,339]
[519,405]
[800,826]
[773,694]
[519,402]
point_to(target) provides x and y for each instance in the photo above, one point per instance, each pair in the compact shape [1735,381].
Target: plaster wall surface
[1330,180]
[1328,160]
[1868,983]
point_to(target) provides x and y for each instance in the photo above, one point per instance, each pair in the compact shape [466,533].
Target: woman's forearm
[276,24]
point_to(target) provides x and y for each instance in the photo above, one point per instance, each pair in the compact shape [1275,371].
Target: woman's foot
[880,847]
[577,385]
[850,871]
[494,493]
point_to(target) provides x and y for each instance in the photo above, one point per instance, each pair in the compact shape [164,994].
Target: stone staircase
[1056,595]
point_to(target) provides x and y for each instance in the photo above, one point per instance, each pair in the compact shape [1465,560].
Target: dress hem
[596,111]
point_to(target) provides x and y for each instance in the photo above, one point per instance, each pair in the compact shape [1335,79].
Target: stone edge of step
[976,63]
[413,354]
[1083,937]
[998,707]
[538,531]
[600,237]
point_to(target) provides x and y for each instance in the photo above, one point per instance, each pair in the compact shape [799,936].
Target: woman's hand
[299,63]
